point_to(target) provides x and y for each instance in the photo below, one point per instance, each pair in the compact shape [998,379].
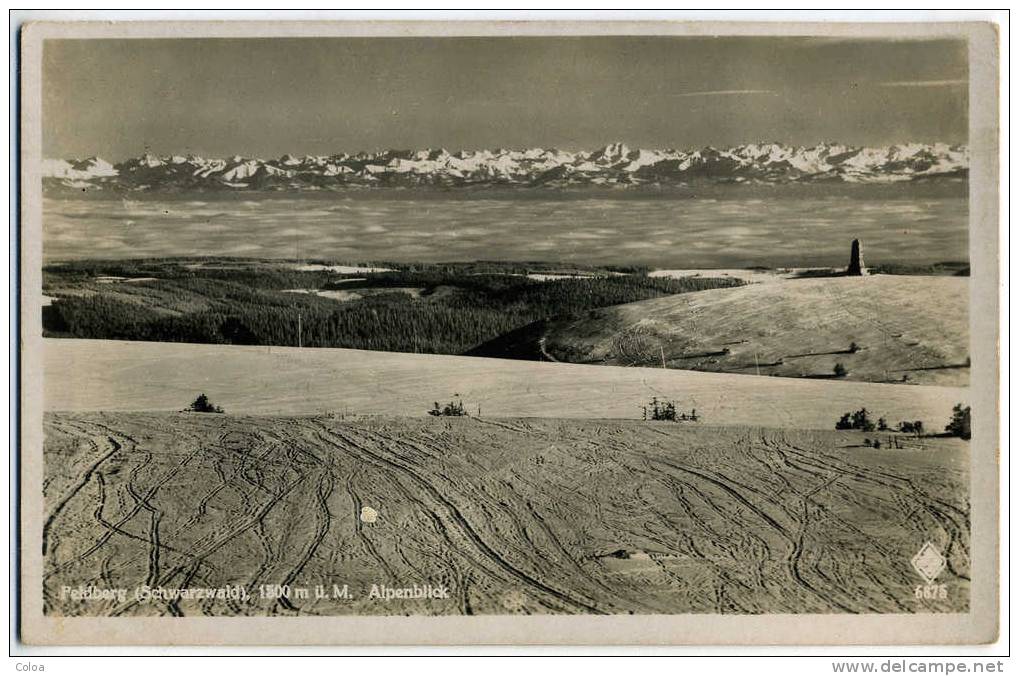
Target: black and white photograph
[511,324]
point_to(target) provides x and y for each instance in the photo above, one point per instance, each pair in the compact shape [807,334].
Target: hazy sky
[267,97]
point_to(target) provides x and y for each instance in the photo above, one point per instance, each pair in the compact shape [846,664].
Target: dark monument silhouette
[856,268]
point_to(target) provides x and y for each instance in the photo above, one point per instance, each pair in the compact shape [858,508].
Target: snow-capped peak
[613,164]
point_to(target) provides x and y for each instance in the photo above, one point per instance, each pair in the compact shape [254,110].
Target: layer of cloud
[924,83]
[727,92]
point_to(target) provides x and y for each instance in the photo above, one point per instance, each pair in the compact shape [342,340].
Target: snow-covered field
[88,375]
[508,516]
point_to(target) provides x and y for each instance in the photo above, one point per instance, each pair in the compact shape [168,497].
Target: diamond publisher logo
[929,562]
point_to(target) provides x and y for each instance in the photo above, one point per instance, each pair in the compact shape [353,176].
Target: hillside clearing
[904,329]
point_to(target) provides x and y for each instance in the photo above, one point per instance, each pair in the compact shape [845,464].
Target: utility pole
[757,363]
[662,348]
[299,340]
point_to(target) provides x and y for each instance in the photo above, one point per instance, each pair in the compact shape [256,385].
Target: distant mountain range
[614,166]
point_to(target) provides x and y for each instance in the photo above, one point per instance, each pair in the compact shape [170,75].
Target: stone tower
[856,267]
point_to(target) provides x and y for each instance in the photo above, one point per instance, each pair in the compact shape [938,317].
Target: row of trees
[202,404]
[656,409]
[452,408]
[858,420]
[472,309]
[861,420]
[666,410]
[252,273]
[958,425]
[267,274]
